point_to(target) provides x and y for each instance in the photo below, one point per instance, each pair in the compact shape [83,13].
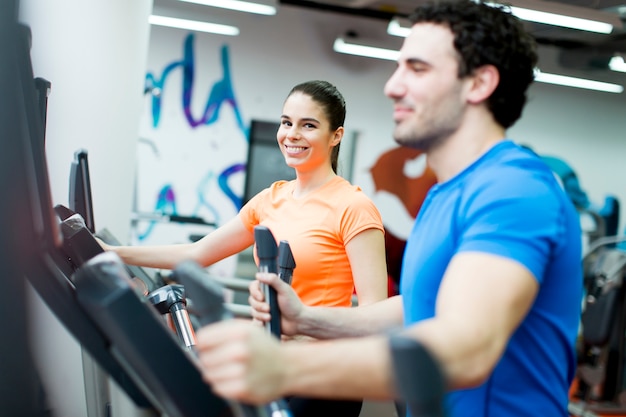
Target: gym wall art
[191,150]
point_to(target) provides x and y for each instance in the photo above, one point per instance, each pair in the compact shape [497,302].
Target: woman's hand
[104,246]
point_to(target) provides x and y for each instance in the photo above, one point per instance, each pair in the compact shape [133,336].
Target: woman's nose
[293,133]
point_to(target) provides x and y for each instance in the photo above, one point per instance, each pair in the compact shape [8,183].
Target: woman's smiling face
[304,136]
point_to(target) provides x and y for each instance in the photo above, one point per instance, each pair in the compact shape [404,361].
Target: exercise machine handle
[208,298]
[286,262]
[267,252]
[418,377]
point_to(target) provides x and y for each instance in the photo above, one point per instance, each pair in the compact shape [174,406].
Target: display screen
[266,163]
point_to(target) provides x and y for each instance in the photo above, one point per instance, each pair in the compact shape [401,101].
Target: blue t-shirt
[506,203]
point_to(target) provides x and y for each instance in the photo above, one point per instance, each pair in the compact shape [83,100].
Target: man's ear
[484,81]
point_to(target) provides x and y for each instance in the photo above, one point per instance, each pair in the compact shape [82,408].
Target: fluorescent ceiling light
[617,63]
[562,20]
[194,25]
[543,77]
[396,27]
[259,7]
[344,47]
[542,12]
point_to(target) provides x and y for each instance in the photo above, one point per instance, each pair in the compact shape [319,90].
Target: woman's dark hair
[333,103]
[488,35]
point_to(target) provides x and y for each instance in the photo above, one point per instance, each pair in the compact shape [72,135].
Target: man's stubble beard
[422,141]
[429,136]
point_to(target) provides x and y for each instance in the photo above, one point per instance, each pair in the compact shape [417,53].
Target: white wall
[586,129]
[273,53]
[94,54]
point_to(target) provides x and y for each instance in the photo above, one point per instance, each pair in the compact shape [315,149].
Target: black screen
[80,189]
[81,203]
[266,163]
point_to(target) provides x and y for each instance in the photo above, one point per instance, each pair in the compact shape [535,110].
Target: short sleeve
[250,213]
[359,215]
[520,219]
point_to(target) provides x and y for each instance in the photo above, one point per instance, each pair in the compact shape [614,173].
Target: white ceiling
[406,6]
[577,48]
[573,49]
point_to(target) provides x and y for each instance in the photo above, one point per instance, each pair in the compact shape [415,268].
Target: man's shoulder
[512,168]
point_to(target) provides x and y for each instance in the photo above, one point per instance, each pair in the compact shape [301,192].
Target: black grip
[267,252]
[286,262]
[79,244]
[418,377]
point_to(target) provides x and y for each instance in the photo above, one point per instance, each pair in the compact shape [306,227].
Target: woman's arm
[229,239]
[366,252]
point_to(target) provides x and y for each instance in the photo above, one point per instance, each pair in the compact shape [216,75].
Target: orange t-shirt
[317,227]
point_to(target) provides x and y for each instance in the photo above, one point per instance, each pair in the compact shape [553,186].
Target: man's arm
[324,322]
[243,362]
[335,322]
[481,301]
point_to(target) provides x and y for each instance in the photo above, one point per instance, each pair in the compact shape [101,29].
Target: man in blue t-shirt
[491,281]
[506,205]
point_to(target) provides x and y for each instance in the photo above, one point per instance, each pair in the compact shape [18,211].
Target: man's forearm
[336,322]
[341,369]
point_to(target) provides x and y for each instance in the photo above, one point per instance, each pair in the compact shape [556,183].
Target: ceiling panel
[571,42]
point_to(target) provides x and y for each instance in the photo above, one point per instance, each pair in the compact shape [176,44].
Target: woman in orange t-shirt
[334,230]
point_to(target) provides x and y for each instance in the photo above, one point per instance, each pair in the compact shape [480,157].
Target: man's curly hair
[488,35]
